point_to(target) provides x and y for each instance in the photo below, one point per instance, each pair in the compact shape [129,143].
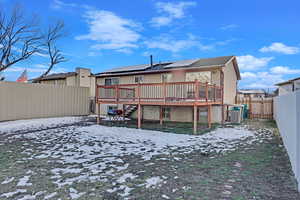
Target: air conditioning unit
[235,116]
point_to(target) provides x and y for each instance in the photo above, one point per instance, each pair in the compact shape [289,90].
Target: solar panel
[128,68]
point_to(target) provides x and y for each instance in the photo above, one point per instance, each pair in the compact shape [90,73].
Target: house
[288,86]
[82,77]
[194,90]
[251,93]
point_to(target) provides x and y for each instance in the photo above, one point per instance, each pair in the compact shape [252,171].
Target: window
[139,79]
[297,85]
[166,113]
[166,77]
[200,76]
[111,81]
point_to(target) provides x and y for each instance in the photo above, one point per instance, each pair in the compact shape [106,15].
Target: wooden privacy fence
[261,108]
[26,101]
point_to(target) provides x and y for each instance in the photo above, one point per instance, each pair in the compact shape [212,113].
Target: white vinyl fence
[26,101]
[287,116]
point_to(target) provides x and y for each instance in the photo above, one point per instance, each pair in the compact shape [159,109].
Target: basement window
[112,108]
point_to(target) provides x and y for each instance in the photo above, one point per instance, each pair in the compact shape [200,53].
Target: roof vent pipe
[151,61]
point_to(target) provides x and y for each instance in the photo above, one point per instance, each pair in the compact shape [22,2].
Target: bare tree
[54,33]
[2,78]
[19,38]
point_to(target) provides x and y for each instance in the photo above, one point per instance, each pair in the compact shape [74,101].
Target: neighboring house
[186,90]
[82,77]
[252,93]
[288,86]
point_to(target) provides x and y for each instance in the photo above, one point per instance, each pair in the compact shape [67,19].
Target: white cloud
[170,12]
[125,50]
[168,43]
[58,4]
[110,31]
[36,68]
[260,79]
[92,54]
[20,69]
[280,48]
[41,66]
[41,54]
[284,70]
[248,75]
[229,27]
[249,62]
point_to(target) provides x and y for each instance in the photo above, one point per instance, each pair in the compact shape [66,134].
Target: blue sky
[105,34]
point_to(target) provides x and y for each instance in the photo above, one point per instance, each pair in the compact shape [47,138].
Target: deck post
[123,112]
[98,113]
[160,115]
[195,118]
[139,116]
[209,116]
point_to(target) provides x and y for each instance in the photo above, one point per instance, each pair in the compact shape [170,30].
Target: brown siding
[230,84]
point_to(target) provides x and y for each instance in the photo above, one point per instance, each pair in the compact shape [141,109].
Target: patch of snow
[126,190]
[93,153]
[8,180]
[74,194]
[123,178]
[49,196]
[24,181]
[19,125]
[153,181]
[165,196]
[11,194]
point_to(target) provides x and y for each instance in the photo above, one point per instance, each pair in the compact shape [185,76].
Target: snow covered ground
[36,124]
[97,154]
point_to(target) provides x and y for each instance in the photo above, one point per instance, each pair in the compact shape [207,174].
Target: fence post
[250,108]
[297,94]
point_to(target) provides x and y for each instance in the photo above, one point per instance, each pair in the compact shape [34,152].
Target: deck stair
[129,109]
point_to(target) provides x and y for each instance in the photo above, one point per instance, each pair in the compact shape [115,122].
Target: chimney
[151,61]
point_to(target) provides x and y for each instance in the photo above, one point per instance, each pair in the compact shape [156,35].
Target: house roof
[167,66]
[252,91]
[288,82]
[57,76]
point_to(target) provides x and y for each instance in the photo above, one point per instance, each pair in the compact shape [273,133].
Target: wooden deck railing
[158,93]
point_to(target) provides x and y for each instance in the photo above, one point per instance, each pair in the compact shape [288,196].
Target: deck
[171,93]
[191,93]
